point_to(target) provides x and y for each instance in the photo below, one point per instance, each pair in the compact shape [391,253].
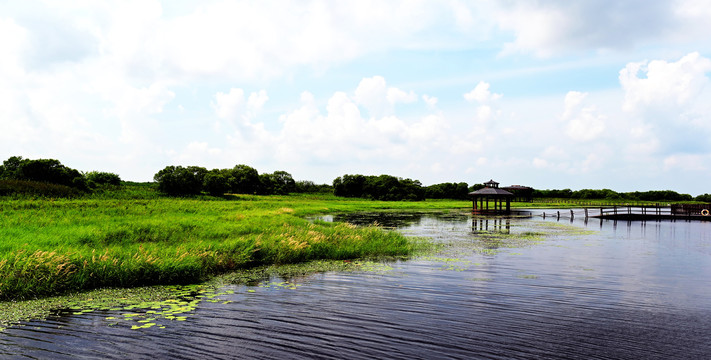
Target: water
[596,290]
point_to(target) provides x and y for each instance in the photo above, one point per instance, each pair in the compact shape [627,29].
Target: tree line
[607,194]
[50,177]
[241,179]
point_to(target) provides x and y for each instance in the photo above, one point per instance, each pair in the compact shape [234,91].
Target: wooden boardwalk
[688,212]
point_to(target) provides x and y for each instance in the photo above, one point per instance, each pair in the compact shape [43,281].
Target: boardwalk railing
[638,212]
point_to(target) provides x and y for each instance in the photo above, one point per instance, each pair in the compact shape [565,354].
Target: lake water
[498,290]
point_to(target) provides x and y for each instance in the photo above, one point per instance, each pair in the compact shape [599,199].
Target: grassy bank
[50,247]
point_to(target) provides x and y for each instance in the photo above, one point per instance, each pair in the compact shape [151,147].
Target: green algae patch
[156,307]
[15,312]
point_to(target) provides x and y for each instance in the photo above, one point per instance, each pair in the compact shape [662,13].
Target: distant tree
[657,195]
[349,185]
[11,168]
[266,185]
[306,186]
[562,194]
[215,182]
[382,187]
[476,187]
[704,198]
[178,180]
[244,180]
[42,170]
[278,182]
[103,178]
[447,191]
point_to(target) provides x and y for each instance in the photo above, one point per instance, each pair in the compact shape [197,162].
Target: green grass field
[131,237]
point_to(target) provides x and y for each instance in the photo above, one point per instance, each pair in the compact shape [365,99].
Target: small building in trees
[520,193]
[491,191]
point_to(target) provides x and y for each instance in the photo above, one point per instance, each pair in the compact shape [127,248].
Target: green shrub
[103,178]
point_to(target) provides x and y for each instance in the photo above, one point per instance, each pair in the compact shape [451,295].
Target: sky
[550,94]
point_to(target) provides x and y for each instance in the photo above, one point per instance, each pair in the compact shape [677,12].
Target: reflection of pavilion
[497,225]
[491,191]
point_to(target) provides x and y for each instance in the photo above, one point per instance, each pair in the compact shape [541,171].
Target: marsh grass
[55,246]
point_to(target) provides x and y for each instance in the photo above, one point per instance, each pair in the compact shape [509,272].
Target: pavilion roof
[517,187]
[490,191]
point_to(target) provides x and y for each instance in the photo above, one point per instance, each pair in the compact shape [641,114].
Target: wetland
[491,288]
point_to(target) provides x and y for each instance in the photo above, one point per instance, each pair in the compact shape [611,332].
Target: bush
[103,178]
[33,188]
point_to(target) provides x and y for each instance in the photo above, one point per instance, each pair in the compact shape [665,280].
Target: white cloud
[431,101]
[664,84]
[378,98]
[13,45]
[396,95]
[229,105]
[198,153]
[482,94]
[239,112]
[549,28]
[583,123]
[669,100]
[343,132]
[540,163]
[686,162]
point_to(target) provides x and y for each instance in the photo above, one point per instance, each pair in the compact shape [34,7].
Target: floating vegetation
[279,285]
[527,276]
[157,306]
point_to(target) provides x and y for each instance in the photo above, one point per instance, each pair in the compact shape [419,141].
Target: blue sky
[550,94]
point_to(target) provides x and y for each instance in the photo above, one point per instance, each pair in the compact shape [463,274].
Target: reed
[55,246]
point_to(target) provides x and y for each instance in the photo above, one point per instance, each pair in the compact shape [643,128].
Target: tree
[215,183]
[447,191]
[283,183]
[383,187]
[349,185]
[306,186]
[278,182]
[10,168]
[42,170]
[178,180]
[244,180]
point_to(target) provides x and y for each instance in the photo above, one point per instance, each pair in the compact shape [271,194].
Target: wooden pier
[689,212]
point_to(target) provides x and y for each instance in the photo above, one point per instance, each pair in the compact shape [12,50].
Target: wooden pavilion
[491,191]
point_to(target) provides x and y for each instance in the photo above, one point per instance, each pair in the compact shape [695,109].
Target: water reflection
[481,224]
[587,290]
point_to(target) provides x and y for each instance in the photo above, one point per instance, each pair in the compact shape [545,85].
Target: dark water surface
[499,290]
